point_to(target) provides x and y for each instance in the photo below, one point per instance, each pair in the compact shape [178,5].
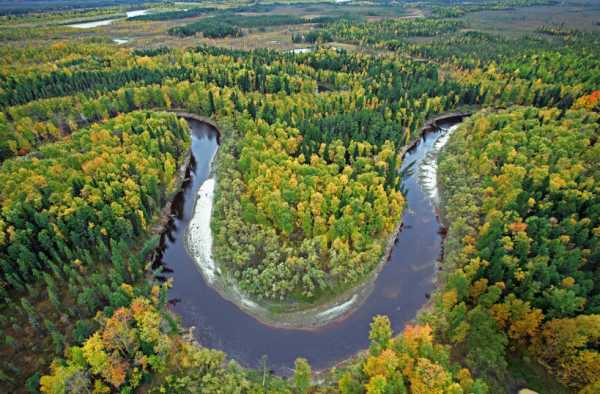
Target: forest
[521,256]
[231,24]
[308,194]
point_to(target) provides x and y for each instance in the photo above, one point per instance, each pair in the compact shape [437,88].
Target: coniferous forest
[317,106]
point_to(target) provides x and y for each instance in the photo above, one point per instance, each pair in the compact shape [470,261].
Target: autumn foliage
[412,362]
[591,102]
[521,186]
[138,345]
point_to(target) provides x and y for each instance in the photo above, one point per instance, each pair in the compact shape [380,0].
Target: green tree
[380,334]
[302,376]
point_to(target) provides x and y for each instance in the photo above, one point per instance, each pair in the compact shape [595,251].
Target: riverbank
[198,243]
[199,246]
[288,315]
[183,174]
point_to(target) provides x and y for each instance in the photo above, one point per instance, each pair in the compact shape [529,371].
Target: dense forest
[231,24]
[521,186]
[388,31]
[308,195]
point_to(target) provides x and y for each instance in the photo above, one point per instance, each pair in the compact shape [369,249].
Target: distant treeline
[323,20]
[556,30]
[388,31]
[179,14]
[31,6]
[59,83]
[150,52]
[270,7]
[446,10]
[209,27]
[230,25]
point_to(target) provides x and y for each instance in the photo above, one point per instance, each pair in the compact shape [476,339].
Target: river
[399,292]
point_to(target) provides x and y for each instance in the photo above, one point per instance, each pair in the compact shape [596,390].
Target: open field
[518,21]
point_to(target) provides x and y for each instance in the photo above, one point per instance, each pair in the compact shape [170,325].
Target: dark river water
[400,289]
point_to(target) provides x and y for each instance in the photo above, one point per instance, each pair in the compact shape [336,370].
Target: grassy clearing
[514,23]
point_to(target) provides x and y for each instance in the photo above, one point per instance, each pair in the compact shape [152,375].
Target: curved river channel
[400,290]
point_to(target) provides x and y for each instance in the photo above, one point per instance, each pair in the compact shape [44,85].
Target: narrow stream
[400,290]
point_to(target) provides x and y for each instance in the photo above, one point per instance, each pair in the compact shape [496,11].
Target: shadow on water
[399,292]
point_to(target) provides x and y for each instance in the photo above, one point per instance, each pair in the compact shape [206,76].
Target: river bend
[400,290]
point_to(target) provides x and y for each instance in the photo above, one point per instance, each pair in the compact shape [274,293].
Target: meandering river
[399,292]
